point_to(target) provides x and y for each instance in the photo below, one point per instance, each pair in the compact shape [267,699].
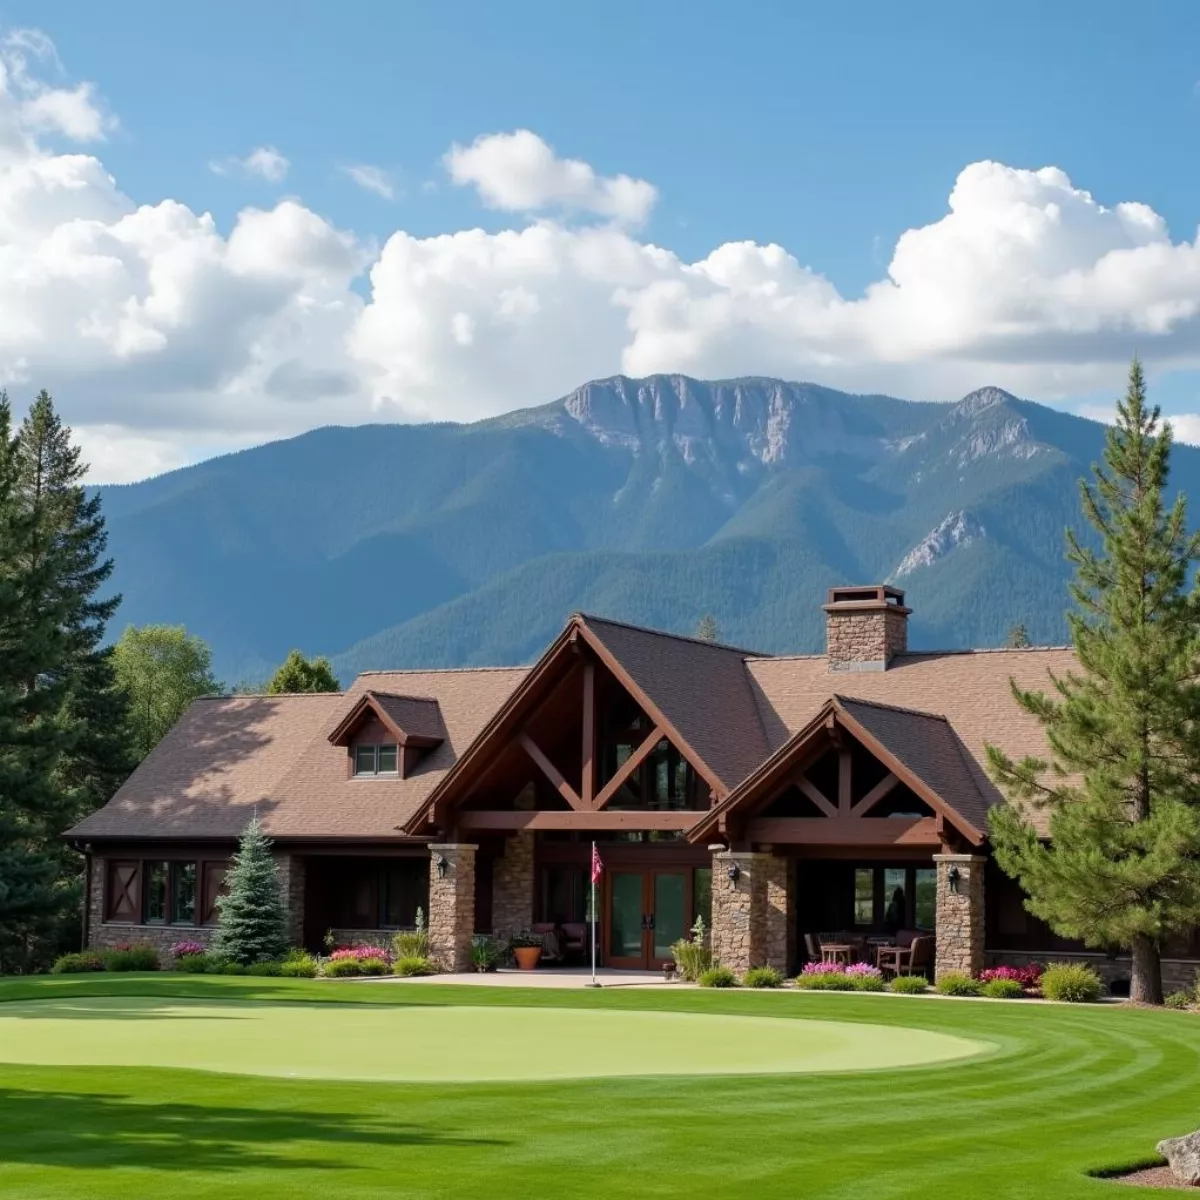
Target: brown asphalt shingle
[418,716]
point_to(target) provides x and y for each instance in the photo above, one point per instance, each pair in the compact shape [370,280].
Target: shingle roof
[418,716]
[928,746]
[970,689]
[230,755]
[701,687]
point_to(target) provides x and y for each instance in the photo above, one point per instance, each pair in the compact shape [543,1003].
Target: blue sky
[826,131]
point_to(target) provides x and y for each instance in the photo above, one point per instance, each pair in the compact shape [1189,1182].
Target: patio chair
[552,941]
[916,959]
[575,940]
[812,947]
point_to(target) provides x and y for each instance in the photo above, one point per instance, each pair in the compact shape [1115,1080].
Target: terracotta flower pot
[527,956]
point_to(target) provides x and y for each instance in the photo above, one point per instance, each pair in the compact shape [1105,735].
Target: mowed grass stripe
[1066,1091]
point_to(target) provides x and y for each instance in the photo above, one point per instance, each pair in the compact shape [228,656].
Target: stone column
[512,886]
[451,904]
[291,881]
[750,913]
[959,922]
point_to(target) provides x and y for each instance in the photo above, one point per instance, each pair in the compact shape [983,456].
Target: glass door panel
[626,912]
[670,911]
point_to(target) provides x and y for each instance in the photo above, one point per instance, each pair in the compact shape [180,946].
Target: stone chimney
[865,627]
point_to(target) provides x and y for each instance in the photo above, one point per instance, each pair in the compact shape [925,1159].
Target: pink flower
[862,968]
[361,952]
[822,968]
[183,949]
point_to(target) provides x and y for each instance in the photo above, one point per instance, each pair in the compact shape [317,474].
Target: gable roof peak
[584,618]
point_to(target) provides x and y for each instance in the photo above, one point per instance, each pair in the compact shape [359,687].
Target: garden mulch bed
[1155,1177]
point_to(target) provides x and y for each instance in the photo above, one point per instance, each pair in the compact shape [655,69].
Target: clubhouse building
[792,801]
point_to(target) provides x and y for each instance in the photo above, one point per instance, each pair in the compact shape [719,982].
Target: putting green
[457,1043]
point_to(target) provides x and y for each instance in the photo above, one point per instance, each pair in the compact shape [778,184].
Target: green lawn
[1056,1092]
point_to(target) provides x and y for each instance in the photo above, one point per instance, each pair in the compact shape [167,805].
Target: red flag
[597,865]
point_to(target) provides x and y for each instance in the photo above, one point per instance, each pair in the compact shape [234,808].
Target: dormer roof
[411,720]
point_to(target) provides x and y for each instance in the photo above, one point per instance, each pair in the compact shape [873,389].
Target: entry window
[895,898]
[702,894]
[155,904]
[375,760]
[183,893]
[864,896]
[925,887]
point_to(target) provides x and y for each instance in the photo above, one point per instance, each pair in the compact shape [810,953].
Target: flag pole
[593,872]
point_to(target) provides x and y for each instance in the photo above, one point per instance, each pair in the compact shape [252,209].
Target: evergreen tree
[67,749]
[1122,868]
[252,925]
[299,674]
[161,669]
[1018,637]
[707,629]
[28,737]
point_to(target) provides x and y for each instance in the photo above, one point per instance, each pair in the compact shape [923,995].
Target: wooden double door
[648,910]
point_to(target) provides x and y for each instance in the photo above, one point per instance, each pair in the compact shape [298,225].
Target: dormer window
[380,759]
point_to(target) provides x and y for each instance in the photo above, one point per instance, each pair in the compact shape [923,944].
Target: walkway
[549,977]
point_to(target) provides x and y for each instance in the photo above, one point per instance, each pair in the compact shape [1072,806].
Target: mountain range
[653,500]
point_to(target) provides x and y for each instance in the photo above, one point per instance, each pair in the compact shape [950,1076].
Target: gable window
[376,760]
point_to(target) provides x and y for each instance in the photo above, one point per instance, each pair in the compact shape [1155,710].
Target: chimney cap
[871,596]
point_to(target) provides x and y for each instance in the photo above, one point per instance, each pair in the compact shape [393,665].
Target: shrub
[361,953]
[485,954]
[1028,976]
[267,968]
[958,983]
[865,978]
[909,985]
[415,964]
[824,977]
[693,956]
[1076,983]
[338,968]
[374,966]
[718,977]
[413,943]
[299,964]
[230,968]
[186,949]
[142,957]
[71,964]
[194,964]
[763,977]
[1003,988]
[1178,1000]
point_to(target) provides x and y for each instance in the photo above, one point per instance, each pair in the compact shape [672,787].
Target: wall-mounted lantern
[734,872]
[439,862]
[952,878]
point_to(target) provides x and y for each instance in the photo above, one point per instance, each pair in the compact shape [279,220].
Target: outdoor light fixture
[952,877]
[442,865]
[734,872]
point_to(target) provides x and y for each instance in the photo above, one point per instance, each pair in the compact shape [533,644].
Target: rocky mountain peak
[957,528]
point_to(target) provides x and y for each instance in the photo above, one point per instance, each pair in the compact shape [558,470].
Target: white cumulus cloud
[165,336]
[519,172]
[264,161]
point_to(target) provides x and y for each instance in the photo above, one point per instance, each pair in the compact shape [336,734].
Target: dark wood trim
[845,780]
[883,788]
[817,796]
[551,772]
[845,831]
[631,764]
[482,820]
[587,792]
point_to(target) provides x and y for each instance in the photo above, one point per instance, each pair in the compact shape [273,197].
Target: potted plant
[526,949]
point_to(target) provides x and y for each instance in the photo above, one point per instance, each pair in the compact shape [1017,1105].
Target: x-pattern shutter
[124,879]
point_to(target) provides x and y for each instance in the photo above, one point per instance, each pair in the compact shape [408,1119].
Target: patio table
[837,952]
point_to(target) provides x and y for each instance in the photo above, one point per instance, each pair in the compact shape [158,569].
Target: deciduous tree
[300,674]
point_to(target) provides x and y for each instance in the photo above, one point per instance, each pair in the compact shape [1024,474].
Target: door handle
[647,920]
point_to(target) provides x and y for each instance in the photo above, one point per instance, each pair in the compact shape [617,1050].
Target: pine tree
[1122,868]
[252,922]
[299,674]
[28,738]
[1018,637]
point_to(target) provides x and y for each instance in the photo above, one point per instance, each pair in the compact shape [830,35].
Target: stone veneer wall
[512,886]
[452,905]
[751,915]
[106,934]
[959,920]
[865,640]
